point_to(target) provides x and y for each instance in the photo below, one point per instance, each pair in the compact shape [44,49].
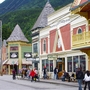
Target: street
[27,85]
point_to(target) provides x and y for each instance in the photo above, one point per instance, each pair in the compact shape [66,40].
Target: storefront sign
[13,48]
[59,59]
[27,54]
[13,54]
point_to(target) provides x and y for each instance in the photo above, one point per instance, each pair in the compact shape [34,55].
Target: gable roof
[17,35]
[42,19]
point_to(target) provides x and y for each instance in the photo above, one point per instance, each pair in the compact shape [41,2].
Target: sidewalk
[73,84]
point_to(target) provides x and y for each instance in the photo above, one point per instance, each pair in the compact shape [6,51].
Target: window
[36,66]
[44,46]
[83,62]
[51,65]
[43,64]
[48,64]
[69,64]
[35,48]
[79,30]
[75,63]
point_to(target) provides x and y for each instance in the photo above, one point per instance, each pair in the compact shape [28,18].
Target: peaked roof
[42,19]
[17,35]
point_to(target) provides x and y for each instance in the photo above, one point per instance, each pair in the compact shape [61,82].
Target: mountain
[24,13]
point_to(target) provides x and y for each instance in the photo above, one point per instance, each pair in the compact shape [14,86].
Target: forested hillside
[24,13]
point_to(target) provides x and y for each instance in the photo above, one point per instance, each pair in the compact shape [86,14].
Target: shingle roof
[17,35]
[42,19]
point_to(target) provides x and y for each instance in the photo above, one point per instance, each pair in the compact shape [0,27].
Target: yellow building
[81,40]
[18,51]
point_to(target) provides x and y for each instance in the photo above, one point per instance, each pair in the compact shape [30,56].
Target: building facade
[18,50]
[80,40]
[56,42]
[39,24]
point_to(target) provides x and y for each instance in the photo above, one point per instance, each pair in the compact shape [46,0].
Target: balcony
[81,41]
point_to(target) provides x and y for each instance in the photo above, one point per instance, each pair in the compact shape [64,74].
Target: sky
[1,1]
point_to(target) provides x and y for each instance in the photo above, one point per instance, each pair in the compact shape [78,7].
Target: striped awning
[13,61]
[26,62]
[4,62]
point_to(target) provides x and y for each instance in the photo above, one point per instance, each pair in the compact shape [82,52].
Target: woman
[87,80]
[32,75]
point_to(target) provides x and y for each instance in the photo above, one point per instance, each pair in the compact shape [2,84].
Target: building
[39,24]
[18,51]
[56,43]
[81,40]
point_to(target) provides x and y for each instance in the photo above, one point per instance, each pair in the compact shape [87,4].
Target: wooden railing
[80,40]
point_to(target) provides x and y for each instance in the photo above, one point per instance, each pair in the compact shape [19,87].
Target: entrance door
[60,66]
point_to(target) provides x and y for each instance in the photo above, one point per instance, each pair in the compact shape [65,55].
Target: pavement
[51,81]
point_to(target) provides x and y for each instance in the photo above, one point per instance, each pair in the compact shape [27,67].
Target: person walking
[55,73]
[32,75]
[79,77]
[87,80]
[14,74]
[45,72]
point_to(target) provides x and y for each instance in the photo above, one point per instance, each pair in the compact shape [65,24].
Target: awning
[24,61]
[13,61]
[4,62]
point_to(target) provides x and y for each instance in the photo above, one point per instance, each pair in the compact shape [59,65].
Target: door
[60,66]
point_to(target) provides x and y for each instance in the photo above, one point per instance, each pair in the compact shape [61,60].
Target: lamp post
[0,47]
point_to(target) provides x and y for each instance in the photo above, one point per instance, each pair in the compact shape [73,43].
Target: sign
[59,59]
[13,54]
[27,55]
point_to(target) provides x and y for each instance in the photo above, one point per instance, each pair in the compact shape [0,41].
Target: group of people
[30,74]
[83,77]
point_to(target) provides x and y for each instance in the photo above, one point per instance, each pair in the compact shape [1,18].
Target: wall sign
[13,48]
[13,54]
[27,54]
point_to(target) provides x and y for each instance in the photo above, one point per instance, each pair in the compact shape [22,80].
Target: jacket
[86,78]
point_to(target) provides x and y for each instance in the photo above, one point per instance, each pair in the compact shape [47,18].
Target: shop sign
[13,54]
[27,54]
[59,59]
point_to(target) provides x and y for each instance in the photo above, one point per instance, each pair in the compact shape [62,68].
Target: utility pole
[0,47]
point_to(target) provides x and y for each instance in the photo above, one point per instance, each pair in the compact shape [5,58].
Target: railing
[82,39]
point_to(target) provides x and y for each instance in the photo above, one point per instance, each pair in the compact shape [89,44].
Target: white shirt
[86,78]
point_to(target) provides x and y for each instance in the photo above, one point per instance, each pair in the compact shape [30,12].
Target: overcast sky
[1,1]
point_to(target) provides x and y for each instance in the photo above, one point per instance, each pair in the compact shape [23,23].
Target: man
[79,77]
[45,72]
[55,73]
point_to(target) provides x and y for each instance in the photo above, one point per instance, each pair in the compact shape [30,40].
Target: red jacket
[32,73]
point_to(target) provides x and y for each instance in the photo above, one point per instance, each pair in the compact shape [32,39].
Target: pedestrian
[55,73]
[45,72]
[32,75]
[87,80]
[14,74]
[79,77]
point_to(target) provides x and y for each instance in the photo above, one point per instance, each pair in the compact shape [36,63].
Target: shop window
[36,66]
[51,65]
[43,63]
[69,64]
[47,65]
[75,63]
[83,62]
